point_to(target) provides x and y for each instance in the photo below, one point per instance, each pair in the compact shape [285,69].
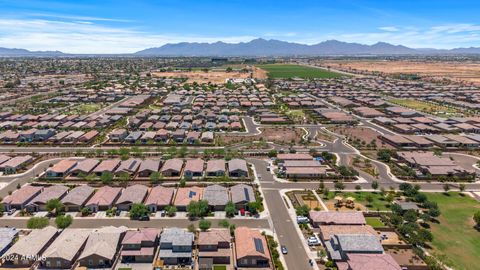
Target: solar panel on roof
[132,165]
[258,245]
[247,195]
[192,194]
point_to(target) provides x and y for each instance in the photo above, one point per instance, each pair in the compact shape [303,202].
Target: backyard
[276,71]
[455,241]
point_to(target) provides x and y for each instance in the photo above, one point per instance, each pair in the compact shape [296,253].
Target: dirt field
[456,71]
[281,135]
[362,134]
[217,77]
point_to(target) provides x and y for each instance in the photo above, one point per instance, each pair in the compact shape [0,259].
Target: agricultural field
[426,107]
[456,241]
[276,71]
[459,71]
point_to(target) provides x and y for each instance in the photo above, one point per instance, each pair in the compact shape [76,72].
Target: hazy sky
[128,26]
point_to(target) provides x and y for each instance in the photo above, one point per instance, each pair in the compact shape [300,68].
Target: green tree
[253,207]
[54,206]
[106,178]
[124,178]
[63,221]
[476,218]
[272,153]
[197,209]
[369,199]
[461,187]
[446,187]
[321,185]
[302,210]
[339,186]
[204,224]
[375,185]
[138,210]
[191,228]
[170,210]
[230,209]
[224,223]
[410,215]
[183,182]
[155,177]
[37,223]
[85,211]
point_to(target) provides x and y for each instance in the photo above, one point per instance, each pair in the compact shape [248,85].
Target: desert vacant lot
[435,109]
[290,71]
[216,76]
[456,71]
[455,239]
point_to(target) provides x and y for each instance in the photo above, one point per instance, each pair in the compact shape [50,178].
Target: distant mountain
[262,47]
[22,52]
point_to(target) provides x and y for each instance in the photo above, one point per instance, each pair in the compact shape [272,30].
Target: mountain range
[263,47]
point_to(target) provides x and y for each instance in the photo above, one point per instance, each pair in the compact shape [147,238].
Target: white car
[302,219]
[313,241]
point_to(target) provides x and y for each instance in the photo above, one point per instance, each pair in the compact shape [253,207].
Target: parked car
[144,218]
[11,212]
[284,250]
[302,219]
[313,241]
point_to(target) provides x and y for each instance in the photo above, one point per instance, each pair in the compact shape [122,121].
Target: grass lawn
[86,108]
[289,71]
[375,222]
[219,267]
[455,241]
[360,197]
[426,107]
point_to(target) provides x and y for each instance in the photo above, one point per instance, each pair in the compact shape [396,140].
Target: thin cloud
[77,18]
[389,28]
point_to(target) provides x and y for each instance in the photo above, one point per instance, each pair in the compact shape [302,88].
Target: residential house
[104,198]
[129,166]
[19,199]
[159,197]
[356,261]
[61,169]
[132,194]
[251,248]
[39,203]
[176,247]
[242,195]
[172,167]
[15,164]
[84,167]
[193,168]
[215,168]
[187,194]
[101,247]
[336,218]
[217,197]
[139,246]
[340,245]
[58,256]
[148,166]
[108,165]
[7,236]
[30,247]
[118,135]
[214,248]
[76,198]
[237,168]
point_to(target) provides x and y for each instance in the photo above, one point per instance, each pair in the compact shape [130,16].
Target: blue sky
[128,26]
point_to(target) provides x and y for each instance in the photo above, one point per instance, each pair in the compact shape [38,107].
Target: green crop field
[455,240]
[276,71]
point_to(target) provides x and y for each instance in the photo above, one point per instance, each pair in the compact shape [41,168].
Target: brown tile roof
[340,218]
[187,194]
[63,166]
[250,242]
[105,196]
[213,237]
[194,165]
[160,196]
[22,195]
[133,194]
[215,165]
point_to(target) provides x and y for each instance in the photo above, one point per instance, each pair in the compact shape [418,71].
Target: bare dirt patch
[465,71]
[280,135]
[361,136]
[212,76]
